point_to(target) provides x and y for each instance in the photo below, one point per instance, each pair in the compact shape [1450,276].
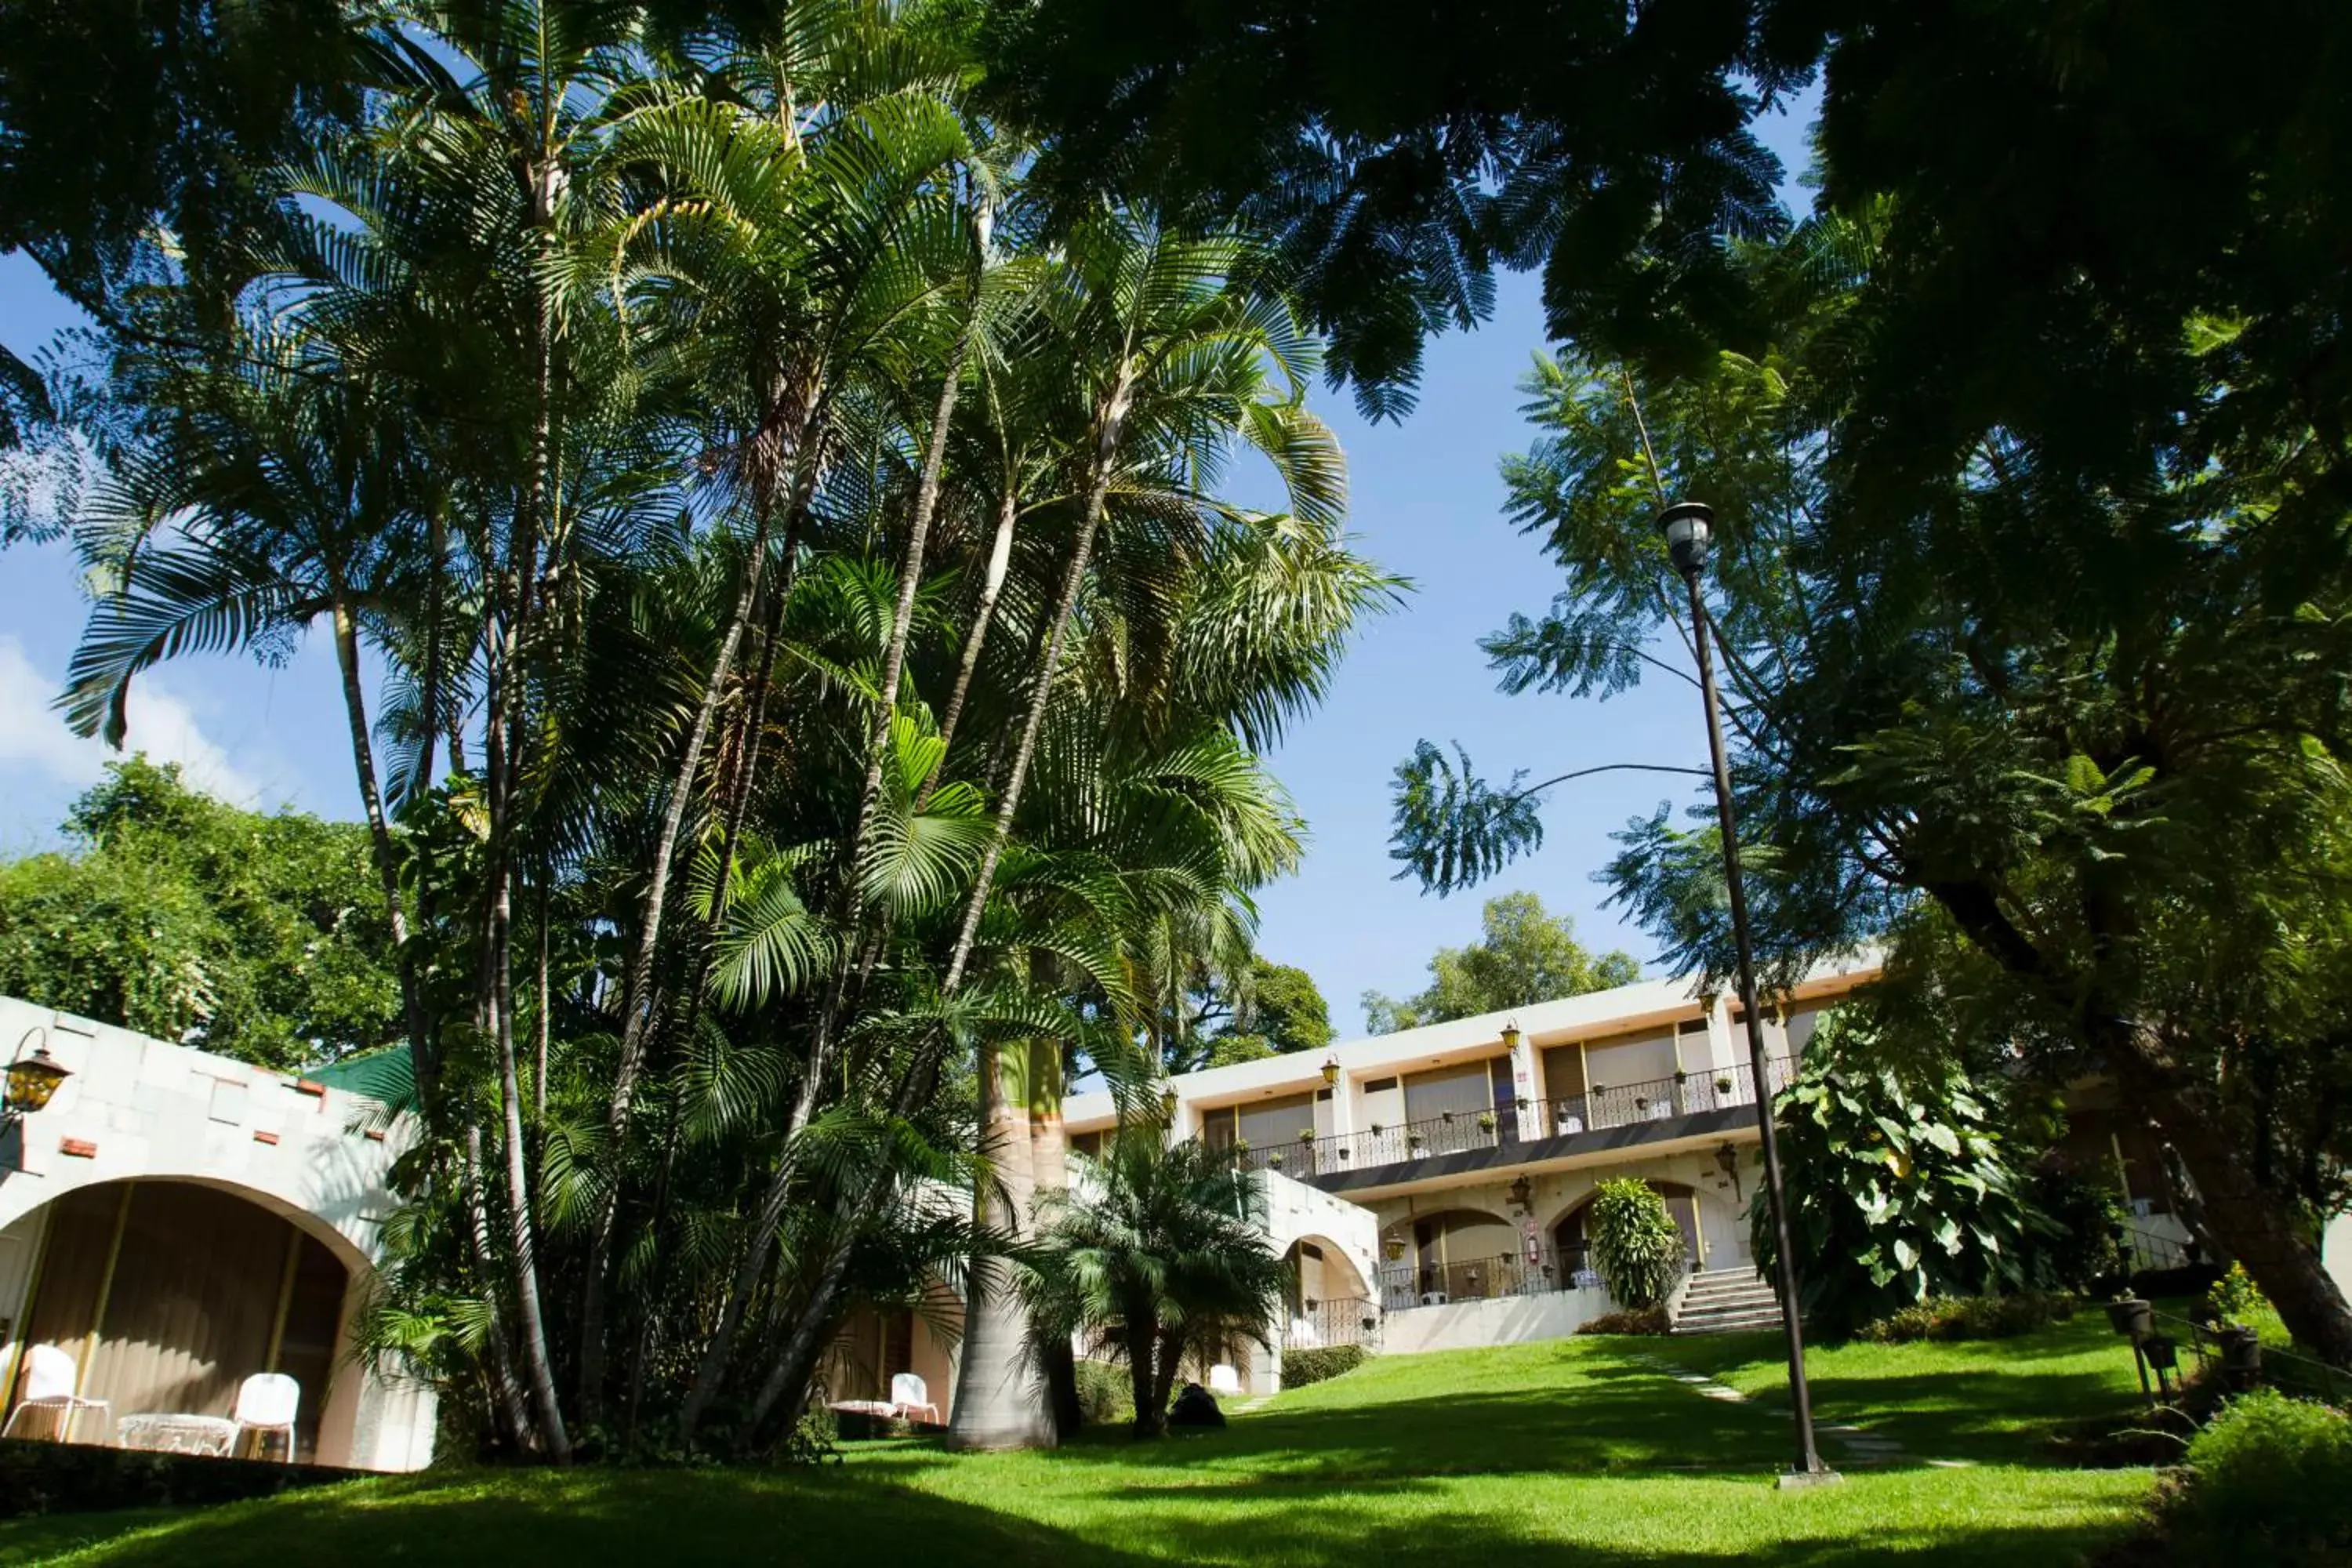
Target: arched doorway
[1328,1301]
[1574,1247]
[169,1294]
[1452,1254]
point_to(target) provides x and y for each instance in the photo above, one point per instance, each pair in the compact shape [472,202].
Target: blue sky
[1426,504]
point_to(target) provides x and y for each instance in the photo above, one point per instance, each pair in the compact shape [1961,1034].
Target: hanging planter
[2129,1315]
[1485,1122]
[1723,1085]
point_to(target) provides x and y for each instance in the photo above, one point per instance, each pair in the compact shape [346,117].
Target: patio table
[157,1432]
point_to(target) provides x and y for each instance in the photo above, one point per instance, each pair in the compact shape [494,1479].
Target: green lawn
[1573,1451]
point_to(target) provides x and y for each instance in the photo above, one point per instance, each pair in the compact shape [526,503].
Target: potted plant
[1640,1102]
[2230,1305]
[1723,1085]
[1274,1160]
[1310,1303]
[1681,1077]
[1416,1140]
[1446,1117]
[1307,1135]
[2128,1314]
[1485,1122]
[1368,1323]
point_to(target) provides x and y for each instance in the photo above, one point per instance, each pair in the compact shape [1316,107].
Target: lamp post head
[32,1080]
[1511,1036]
[1689,528]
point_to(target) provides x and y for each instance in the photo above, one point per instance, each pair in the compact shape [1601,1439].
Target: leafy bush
[1106,1394]
[1899,1188]
[2082,1248]
[2235,1299]
[1302,1367]
[1648,1320]
[1636,1247]
[1968,1318]
[2266,1485]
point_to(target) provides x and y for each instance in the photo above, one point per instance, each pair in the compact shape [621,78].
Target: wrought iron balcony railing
[1454,1132]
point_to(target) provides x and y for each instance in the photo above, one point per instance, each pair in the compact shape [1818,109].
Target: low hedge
[1302,1367]
[1968,1318]
[1648,1320]
[38,1478]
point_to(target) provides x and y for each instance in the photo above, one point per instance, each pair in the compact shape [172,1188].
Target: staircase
[1727,1301]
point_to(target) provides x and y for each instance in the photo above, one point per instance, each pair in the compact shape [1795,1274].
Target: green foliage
[258,936]
[1968,1318]
[2081,1249]
[1523,956]
[1647,1321]
[1898,1186]
[1636,1247]
[2267,1484]
[1160,1260]
[2235,1299]
[1320,1363]
[1106,1394]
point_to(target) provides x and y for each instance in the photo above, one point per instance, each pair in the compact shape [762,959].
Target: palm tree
[1160,1252]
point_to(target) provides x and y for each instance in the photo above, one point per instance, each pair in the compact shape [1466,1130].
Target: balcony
[1692,1104]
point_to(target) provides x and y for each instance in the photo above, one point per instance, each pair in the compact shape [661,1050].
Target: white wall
[1500,1320]
[2336,1251]
[138,1108]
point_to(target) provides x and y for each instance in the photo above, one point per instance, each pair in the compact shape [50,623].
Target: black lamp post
[1689,529]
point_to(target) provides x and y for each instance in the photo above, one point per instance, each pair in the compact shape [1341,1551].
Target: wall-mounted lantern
[1727,1159]
[1331,1071]
[32,1080]
[1511,1036]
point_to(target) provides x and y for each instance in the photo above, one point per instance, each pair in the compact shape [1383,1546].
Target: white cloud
[34,737]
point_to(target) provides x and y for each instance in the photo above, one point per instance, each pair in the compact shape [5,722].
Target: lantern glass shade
[32,1079]
[1168,1103]
[1511,1036]
[1689,528]
[1331,1069]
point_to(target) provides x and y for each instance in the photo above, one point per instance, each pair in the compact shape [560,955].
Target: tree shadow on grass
[585,1519]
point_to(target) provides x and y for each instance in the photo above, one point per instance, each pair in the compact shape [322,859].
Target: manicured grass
[1973,1399]
[1573,1451]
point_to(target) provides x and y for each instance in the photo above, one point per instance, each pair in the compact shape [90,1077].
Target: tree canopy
[1523,956]
[257,935]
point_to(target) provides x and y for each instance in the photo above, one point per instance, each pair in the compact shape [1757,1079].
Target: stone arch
[169,1291]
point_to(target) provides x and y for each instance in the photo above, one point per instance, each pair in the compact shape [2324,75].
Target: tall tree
[1523,956]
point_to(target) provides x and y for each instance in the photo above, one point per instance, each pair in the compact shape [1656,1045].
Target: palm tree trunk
[720,1351]
[1000,560]
[506,1391]
[1098,498]
[387,861]
[997,1401]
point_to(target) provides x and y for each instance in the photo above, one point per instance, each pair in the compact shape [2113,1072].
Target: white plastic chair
[266,1403]
[1223,1379]
[913,1394]
[49,1377]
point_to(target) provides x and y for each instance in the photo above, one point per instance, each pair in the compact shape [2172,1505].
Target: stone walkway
[1863,1448]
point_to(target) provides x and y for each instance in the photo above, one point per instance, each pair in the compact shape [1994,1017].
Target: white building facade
[1465,1154]
[176,1220]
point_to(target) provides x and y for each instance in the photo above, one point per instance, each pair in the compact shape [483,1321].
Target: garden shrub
[38,1478]
[1899,1186]
[1648,1320]
[2236,1298]
[2267,1484]
[1968,1318]
[1636,1246]
[1302,1367]
[1106,1394]
[2080,1249]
